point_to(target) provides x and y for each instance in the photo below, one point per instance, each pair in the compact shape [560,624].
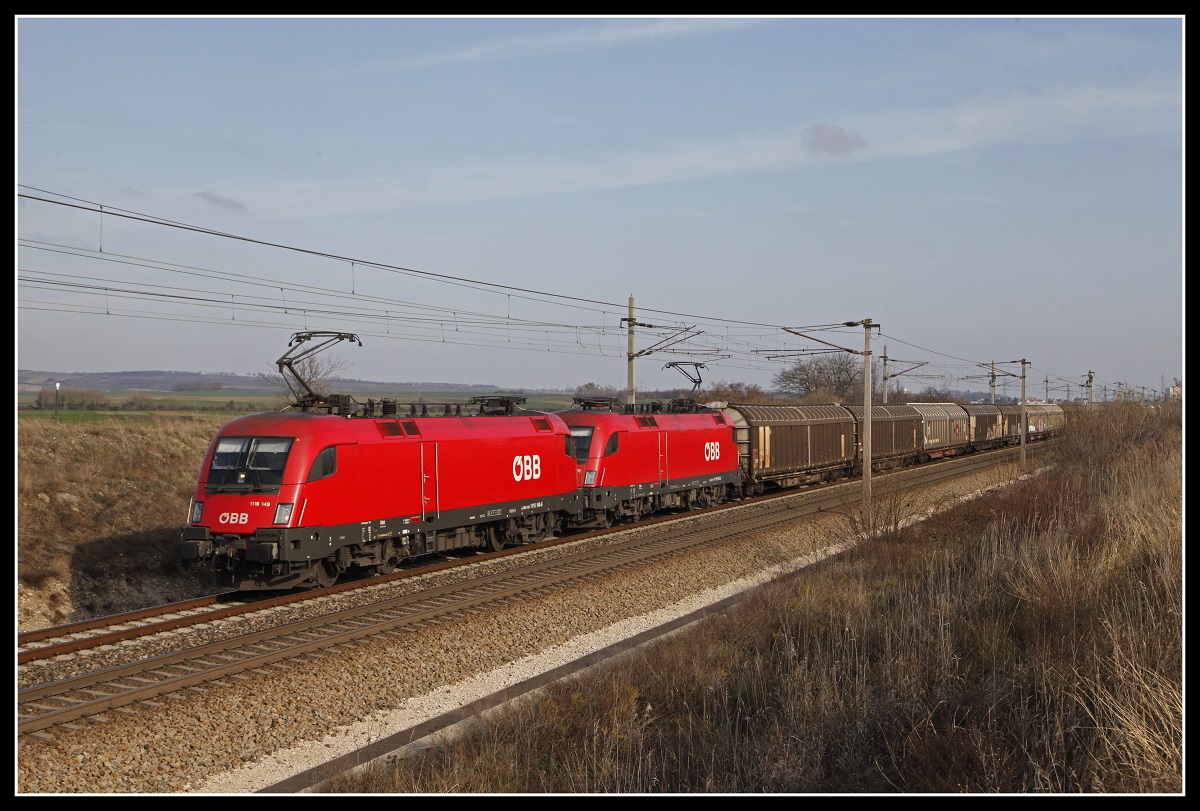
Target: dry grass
[1032,642]
[99,509]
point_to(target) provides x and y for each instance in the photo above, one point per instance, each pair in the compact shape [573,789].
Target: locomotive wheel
[495,539]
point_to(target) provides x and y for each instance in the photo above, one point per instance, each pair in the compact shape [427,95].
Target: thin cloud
[831,139]
[589,38]
[1053,115]
[227,203]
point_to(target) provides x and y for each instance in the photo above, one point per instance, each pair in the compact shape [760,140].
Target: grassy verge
[100,504]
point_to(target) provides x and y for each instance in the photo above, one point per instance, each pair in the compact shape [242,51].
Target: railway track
[48,643]
[120,689]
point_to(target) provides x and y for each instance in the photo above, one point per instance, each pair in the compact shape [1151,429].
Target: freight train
[296,499]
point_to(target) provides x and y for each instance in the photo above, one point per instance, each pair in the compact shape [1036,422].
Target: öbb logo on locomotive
[527,467]
[364,487]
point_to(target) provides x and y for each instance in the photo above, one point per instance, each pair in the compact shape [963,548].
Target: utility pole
[1024,419]
[629,381]
[885,377]
[866,450]
[867,326]
[1089,389]
[682,335]
[1048,390]
[993,382]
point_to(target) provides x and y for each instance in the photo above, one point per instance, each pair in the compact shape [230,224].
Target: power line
[150,219]
[748,346]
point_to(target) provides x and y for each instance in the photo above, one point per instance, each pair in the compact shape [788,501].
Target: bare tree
[318,371]
[736,392]
[836,376]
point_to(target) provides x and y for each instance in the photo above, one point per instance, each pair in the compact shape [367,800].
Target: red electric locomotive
[639,459]
[296,499]
[288,500]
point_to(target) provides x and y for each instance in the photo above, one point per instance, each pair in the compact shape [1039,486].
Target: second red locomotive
[635,460]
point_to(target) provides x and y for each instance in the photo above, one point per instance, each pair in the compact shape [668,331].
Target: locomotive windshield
[583,441]
[246,463]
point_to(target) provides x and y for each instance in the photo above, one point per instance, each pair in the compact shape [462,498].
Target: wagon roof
[981,408]
[885,412]
[951,410]
[787,414]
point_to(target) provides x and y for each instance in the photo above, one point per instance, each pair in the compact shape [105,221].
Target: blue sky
[477,199]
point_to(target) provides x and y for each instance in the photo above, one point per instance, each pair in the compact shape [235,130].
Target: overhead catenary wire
[273,284]
[744,350]
[432,314]
[448,278]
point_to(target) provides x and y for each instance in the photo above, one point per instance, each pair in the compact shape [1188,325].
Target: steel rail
[76,636]
[62,702]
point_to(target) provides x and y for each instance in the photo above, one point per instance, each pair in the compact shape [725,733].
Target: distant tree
[45,398]
[897,393]
[73,399]
[933,394]
[735,392]
[833,377]
[139,401]
[594,390]
[318,371]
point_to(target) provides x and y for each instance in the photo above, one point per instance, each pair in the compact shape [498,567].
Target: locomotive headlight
[283,513]
[197,511]
[589,477]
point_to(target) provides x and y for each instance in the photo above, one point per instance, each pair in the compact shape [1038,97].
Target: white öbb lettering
[234,518]
[712,451]
[526,468]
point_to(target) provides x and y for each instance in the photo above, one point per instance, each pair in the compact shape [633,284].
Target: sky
[477,200]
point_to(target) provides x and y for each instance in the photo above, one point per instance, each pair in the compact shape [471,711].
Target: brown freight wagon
[945,429]
[986,425]
[789,445]
[895,434]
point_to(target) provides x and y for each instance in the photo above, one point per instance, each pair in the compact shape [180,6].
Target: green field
[82,407]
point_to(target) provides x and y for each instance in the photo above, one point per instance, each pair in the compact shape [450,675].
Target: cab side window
[324,465]
[611,447]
